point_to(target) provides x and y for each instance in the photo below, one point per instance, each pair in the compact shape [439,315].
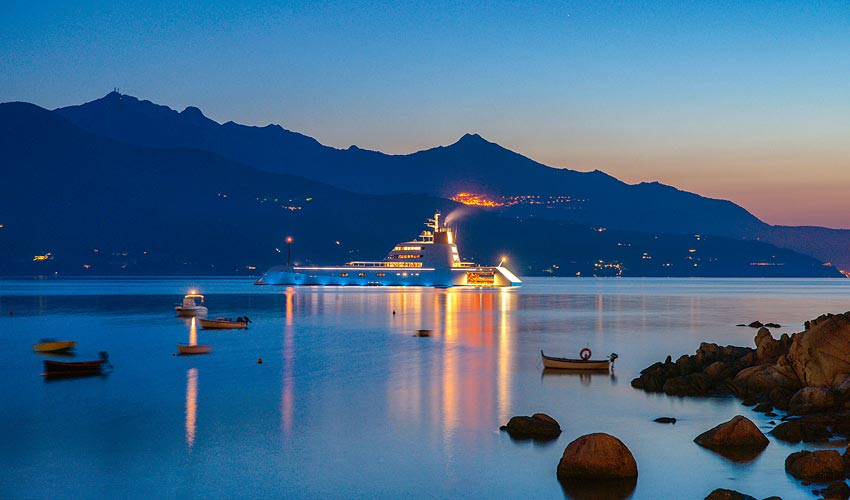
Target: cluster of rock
[759,324]
[805,373]
[539,426]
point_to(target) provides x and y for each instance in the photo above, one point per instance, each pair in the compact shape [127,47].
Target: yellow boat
[48,345]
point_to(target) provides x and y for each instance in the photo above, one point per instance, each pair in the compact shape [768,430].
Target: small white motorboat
[190,306]
[584,363]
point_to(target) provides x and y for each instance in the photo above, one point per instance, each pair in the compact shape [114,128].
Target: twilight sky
[748,101]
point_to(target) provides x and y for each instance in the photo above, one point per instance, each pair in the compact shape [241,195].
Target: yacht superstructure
[430,260]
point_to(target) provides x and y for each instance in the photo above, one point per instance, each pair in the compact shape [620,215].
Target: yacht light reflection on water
[430,260]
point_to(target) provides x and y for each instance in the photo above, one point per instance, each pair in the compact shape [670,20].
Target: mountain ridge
[470,164]
[88,205]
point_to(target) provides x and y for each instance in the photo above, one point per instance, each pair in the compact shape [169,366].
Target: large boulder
[811,400]
[538,426]
[762,379]
[597,456]
[807,430]
[738,433]
[723,494]
[769,349]
[820,466]
[820,356]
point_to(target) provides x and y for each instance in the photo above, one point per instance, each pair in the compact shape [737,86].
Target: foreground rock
[538,426]
[821,355]
[740,432]
[836,491]
[814,430]
[723,494]
[597,456]
[811,400]
[699,375]
[805,373]
[820,466]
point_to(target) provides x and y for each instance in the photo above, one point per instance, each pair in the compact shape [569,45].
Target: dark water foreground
[349,403]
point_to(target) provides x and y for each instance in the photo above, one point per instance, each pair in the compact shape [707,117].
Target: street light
[288,250]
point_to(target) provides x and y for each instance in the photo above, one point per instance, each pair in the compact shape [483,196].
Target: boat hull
[574,364]
[74,369]
[193,349]
[191,311]
[381,276]
[58,346]
[220,324]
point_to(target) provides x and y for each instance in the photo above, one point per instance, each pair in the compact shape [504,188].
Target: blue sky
[742,100]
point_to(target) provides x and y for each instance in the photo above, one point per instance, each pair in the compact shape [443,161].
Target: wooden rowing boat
[50,345]
[194,349]
[577,364]
[76,368]
[224,324]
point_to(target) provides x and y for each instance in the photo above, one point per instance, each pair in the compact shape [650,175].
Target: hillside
[98,206]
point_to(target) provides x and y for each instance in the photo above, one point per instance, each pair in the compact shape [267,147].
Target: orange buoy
[259,361]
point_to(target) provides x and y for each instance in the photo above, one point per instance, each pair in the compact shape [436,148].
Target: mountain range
[125,185]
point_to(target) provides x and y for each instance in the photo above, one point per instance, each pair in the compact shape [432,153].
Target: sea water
[347,402]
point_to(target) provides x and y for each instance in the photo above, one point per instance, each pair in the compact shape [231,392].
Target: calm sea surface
[348,403]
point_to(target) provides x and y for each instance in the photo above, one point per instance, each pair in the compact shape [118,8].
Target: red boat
[75,369]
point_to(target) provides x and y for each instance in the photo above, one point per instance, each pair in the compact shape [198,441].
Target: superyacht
[430,260]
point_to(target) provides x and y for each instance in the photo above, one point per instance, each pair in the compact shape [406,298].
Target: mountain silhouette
[472,164]
[102,206]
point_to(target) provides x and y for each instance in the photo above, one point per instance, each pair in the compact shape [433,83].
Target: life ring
[585,354]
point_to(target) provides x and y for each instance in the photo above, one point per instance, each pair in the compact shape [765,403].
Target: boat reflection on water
[584,376]
[191,405]
[287,400]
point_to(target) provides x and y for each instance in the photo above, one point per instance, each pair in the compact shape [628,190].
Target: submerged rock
[740,432]
[665,420]
[597,456]
[820,466]
[538,426]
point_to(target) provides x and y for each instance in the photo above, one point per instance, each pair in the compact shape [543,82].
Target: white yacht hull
[431,260]
[379,276]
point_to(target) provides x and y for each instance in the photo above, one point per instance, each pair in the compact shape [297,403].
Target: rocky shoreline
[806,375]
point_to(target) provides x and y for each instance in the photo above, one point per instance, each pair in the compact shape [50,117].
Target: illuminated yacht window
[361,274]
[380,275]
[343,274]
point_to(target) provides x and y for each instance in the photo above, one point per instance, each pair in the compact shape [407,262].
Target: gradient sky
[748,101]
